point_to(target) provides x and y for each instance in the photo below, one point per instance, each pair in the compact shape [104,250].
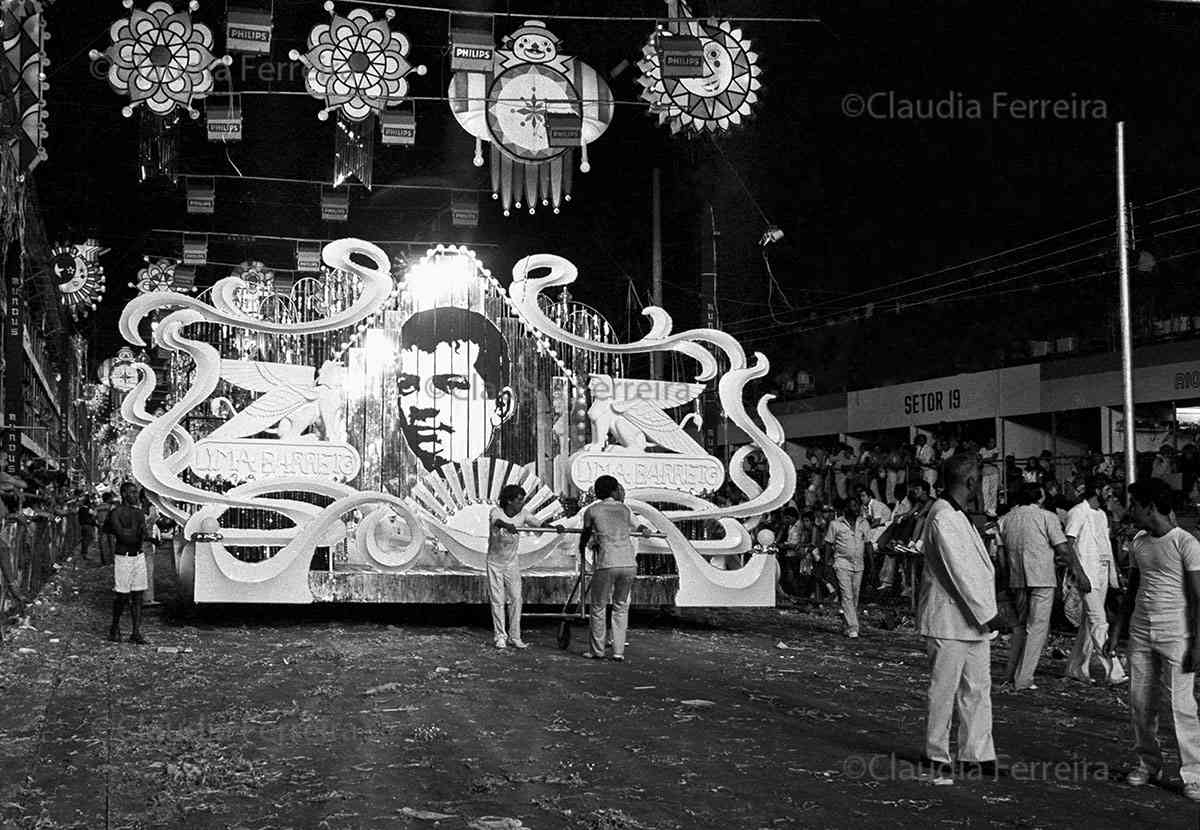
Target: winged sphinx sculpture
[295,398]
[628,416]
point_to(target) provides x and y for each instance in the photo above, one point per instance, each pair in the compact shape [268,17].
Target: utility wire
[287,180]
[755,338]
[825,305]
[948,269]
[596,18]
[889,300]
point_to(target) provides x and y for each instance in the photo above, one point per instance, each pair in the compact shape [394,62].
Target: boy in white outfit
[1087,528]
[504,565]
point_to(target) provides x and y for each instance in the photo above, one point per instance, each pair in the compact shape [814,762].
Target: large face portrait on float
[452,390]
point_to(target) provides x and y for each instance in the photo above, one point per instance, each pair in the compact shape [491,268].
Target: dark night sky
[863,202]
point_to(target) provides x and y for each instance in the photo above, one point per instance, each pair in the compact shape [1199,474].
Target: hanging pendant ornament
[699,76]
[535,107]
[159,275]
[163,62]
[358,67]
[257,285]
[79,275]
[23,32]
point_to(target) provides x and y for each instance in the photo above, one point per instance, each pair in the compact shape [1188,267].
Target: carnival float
[342,438]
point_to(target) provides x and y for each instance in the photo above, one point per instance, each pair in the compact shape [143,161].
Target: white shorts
[129,573]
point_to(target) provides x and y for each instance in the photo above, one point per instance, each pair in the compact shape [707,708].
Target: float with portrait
[341,437]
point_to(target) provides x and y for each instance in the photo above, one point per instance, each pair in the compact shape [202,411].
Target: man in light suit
[957,616]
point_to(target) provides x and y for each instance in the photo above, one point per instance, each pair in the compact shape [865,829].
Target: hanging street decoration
[163,62]
[160,58]
[159,275]
[223,119]
[535,107]
[358,66]
[257,283]
[79,275]
[698,76]
[248,30]
[23,83]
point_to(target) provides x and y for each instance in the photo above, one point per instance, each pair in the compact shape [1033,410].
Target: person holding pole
[611,523]
[504,565]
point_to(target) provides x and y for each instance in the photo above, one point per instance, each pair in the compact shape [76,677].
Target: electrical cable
[595,18]
[958,295]
[819,306]
[865,292]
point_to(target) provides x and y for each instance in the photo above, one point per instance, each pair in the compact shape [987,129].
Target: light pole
[1126,312]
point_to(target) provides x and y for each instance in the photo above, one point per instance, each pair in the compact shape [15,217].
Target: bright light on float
[379,350]
[443,277]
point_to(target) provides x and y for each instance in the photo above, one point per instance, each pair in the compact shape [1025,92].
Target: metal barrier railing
[30,548]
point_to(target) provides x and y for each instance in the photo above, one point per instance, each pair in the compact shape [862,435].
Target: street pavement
[341,718]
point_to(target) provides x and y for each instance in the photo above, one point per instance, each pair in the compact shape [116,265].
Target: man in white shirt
[844,544]
[989,456]
[1087,530]
[1029,537]
[906,530]
[957,616]
[927,460]
[1162,608]
[878,517]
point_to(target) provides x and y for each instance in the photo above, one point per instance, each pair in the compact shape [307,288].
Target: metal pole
[656,269]
[1126,312]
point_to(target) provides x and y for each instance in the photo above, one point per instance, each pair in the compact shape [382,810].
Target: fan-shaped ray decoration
[163,62]
[460,496]
[534,107]
[79,275]
[23,32]
[722,90]
[358,66]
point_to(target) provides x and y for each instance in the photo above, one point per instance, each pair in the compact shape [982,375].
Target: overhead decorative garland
[163,62]
[79,275]
[535,106]
[358,66]
[23,32]
[699,76]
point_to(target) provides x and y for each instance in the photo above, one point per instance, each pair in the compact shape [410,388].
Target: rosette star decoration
[714,91]
[161,59]
[163,62]
[158,275]
[535,107]
[79,276]
[358,66]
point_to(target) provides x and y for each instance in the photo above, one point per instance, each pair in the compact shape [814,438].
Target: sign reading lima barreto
[376,422]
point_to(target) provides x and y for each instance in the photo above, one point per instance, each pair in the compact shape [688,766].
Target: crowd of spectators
[888,489]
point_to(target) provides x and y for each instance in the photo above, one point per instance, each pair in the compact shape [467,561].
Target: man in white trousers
[1162,607]
[1031,539]
[957,616]
[1087,530]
